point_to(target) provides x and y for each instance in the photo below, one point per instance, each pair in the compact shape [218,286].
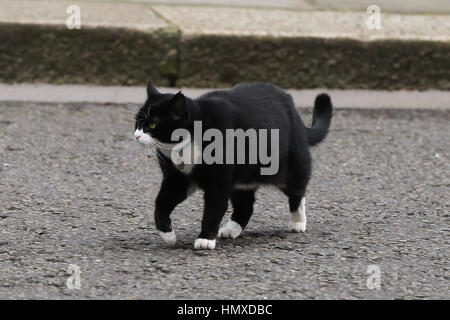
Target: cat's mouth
[142,138]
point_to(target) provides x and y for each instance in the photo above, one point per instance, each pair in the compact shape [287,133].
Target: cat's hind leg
[242,201]
[295,191]
[295,188]
[297,206]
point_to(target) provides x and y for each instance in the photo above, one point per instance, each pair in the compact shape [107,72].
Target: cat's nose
[137,137]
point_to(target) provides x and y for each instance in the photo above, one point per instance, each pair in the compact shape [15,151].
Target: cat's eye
[152,125]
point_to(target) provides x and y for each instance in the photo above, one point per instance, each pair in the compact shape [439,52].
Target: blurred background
[206,43]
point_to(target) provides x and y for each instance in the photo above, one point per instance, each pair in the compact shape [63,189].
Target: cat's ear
[178,105]
[151,90]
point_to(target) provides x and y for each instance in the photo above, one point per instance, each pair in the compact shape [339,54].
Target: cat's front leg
[173,191]
[216,203]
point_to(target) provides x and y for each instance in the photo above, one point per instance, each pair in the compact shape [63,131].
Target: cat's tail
[323,111]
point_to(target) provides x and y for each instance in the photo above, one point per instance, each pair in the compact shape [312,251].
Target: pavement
[74,191]
[350,99]
[300,44]
[414,6]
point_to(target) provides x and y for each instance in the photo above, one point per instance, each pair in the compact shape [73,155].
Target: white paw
[231,230]
[204,244]
[298,218]
[297,227]
[169,237]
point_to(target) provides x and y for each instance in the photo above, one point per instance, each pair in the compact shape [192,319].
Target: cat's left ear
[151,90]
[178,105]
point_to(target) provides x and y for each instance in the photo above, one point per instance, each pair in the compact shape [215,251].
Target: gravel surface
[74,190]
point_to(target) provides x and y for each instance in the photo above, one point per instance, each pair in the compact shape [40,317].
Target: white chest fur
[184,157]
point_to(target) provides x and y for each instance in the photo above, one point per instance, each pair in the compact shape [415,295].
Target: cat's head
[160,116]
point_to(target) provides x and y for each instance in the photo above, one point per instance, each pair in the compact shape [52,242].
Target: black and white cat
[255,106]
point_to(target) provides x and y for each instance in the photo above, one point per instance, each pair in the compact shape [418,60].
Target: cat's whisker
[159,147]
[157,152]
[161,157]
[154,149]
[158,155]
[132,113]
[148,151]
[151,150]
[162,145]
[132,107]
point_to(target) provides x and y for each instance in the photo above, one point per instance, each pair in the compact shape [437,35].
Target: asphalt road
[74,190]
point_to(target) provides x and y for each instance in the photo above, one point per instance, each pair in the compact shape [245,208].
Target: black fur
[247,105]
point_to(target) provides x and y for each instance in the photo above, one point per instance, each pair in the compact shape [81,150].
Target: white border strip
[361,99]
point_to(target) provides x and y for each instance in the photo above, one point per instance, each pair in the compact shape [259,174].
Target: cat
[256,106]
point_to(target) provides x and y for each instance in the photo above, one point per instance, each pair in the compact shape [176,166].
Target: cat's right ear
[151,90]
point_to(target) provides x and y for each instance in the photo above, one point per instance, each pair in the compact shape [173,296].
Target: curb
[106,95]
[174,55]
